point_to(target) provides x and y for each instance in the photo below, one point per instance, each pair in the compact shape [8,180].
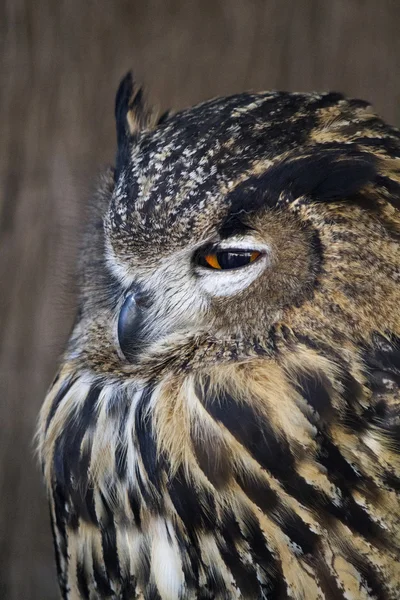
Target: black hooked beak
[130,323]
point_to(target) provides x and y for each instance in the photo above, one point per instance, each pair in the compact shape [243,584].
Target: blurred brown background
[61,61]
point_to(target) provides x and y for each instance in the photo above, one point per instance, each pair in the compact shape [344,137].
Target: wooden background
[61,61]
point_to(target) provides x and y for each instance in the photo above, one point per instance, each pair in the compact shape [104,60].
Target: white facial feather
[181,291]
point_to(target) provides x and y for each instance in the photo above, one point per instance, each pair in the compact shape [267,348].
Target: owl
[225,423]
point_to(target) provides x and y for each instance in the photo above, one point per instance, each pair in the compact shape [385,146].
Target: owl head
[234,228]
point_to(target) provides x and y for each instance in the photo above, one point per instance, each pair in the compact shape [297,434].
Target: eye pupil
[225,260]
[233,260]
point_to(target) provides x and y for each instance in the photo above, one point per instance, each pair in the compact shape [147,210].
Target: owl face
[215,281]
[224,221]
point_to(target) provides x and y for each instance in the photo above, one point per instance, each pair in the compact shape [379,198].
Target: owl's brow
[323,175]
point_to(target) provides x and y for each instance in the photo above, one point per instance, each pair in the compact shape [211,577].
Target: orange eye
[232,259]
[212,260]
[254,255]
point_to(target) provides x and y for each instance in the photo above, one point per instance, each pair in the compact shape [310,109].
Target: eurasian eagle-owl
[226,419]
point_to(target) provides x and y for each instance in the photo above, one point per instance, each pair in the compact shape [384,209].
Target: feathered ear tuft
[131,114]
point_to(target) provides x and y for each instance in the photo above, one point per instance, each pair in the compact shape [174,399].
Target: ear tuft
[131,112]
[131,115]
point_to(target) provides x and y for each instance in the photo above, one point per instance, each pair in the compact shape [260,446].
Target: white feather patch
[166,566]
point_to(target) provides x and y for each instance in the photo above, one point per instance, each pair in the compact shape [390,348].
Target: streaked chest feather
[259,480]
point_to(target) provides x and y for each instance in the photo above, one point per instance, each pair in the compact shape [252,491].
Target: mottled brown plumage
[218,434]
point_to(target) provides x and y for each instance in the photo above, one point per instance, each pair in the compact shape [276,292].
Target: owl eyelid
[221,250]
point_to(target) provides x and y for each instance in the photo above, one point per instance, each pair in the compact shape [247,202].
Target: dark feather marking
[393,187]
[128,588]
[250,428]
[297,531]
[265,559]
[315,388]
[341,474]
[152,462]
[204,594]
[102,583]
[58,552]
[188,562]
[64,389]
[244,575]
[108,290]
[258,491]
[329,99]
[257,541]
[215,584]
[352,415]
[109,542]
[323,175]
[384,354]
[191,558]
[61,517]
[134,503]
[328,582]
[382,382]
[121,447]
[391,480]
[196,507]
[352,390]
[230,525]
[356,103]
[56,378]
[386,420]
[328,177]
[322,348]
[292,525]
[387,145]
[87,507]
[82,497]
[67,452]
[339,470]
[81,577]
[73,517]
[359,520]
